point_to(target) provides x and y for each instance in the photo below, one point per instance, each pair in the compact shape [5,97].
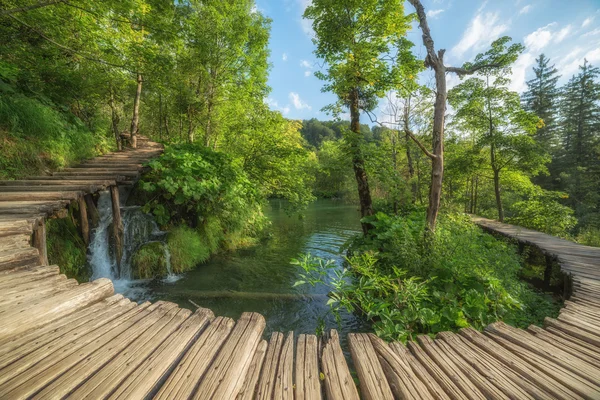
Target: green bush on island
[407,283]
[187,247]
[149,261]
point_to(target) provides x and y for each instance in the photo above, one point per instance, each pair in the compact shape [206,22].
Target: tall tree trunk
[358,163]
[136,112]
[498,196]
[166,122]
[115,119]
[437,161]
[190,125]
[475,195]
[409,160]
[395,169]
[160,116]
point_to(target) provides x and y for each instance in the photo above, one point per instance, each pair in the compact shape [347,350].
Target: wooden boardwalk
[60,339]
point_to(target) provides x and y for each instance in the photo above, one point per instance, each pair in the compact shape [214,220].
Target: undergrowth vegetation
[66,249]
[36,136]
[408,283]
[205,200]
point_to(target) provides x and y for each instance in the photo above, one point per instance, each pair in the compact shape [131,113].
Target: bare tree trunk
[115,119]
[190,125]
[358,162]
[498,197]
[135,120]
[437,162]
[395,167]
[411,169]
[166,122]
[160,116]
[475,195]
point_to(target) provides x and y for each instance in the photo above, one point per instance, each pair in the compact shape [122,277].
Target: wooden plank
[268,374]
[373,382]
[25,297]
[33,380]
[117,359]
[570,346]
[15,258]
[548,351]
[338,381]
[446,382]
[38,241]
[509,382]
[464,379]
[41,183]
[29,274]
[403,382]
[62,343]
[528,369]
[58,306]
[225,376]
[147,379]
[19,346]
[184,379]
[561,374]
[38,196]
[284,385]
[308,385]
[433,388]
[249,387]
[14,241]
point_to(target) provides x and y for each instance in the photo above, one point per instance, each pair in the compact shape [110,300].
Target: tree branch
[418,143]
[32,7]
[408,132]
[463,71]
[68,49]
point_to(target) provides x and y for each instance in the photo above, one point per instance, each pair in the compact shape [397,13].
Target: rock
[149,261]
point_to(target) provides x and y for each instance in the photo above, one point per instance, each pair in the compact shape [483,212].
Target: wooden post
[84,223]
[548,272]
[39,240]
[92,210]
[117,226]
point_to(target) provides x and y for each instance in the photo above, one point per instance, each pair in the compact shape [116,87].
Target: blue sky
[566,31]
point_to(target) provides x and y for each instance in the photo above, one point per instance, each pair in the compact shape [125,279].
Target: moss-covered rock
[149,261]
[67,249]
[187,247]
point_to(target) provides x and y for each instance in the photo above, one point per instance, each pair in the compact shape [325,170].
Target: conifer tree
[579,158]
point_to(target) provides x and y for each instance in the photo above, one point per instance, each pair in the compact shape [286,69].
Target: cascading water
[139,228]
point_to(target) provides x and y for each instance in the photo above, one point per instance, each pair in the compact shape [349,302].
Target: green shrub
[187,249]
[407,283]
[149,261]
[67,249]
[589,236]
[543,212]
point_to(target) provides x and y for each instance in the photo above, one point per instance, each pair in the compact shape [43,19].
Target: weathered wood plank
[338,380]
[308,385]
[225,376]
[373,382]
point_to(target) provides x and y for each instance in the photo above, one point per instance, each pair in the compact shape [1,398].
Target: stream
[259,279]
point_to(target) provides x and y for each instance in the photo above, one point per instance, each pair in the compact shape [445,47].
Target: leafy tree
[488,108]
[363,45]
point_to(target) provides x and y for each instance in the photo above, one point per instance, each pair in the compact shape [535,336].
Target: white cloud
[562,34]
[433,14]
[272,103]
[591,33]
[298,103]
[305,64]
[523,64]
[587,21]
[305,24]
[525,9]
[539,39]
[307,73]
[284,57]
[482,30]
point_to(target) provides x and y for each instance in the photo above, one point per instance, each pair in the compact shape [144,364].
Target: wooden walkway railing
[60,339]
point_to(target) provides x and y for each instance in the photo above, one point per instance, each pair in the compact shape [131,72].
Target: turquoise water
[261,279]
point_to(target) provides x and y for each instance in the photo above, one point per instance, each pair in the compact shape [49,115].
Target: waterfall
[139,228]
[99,255]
